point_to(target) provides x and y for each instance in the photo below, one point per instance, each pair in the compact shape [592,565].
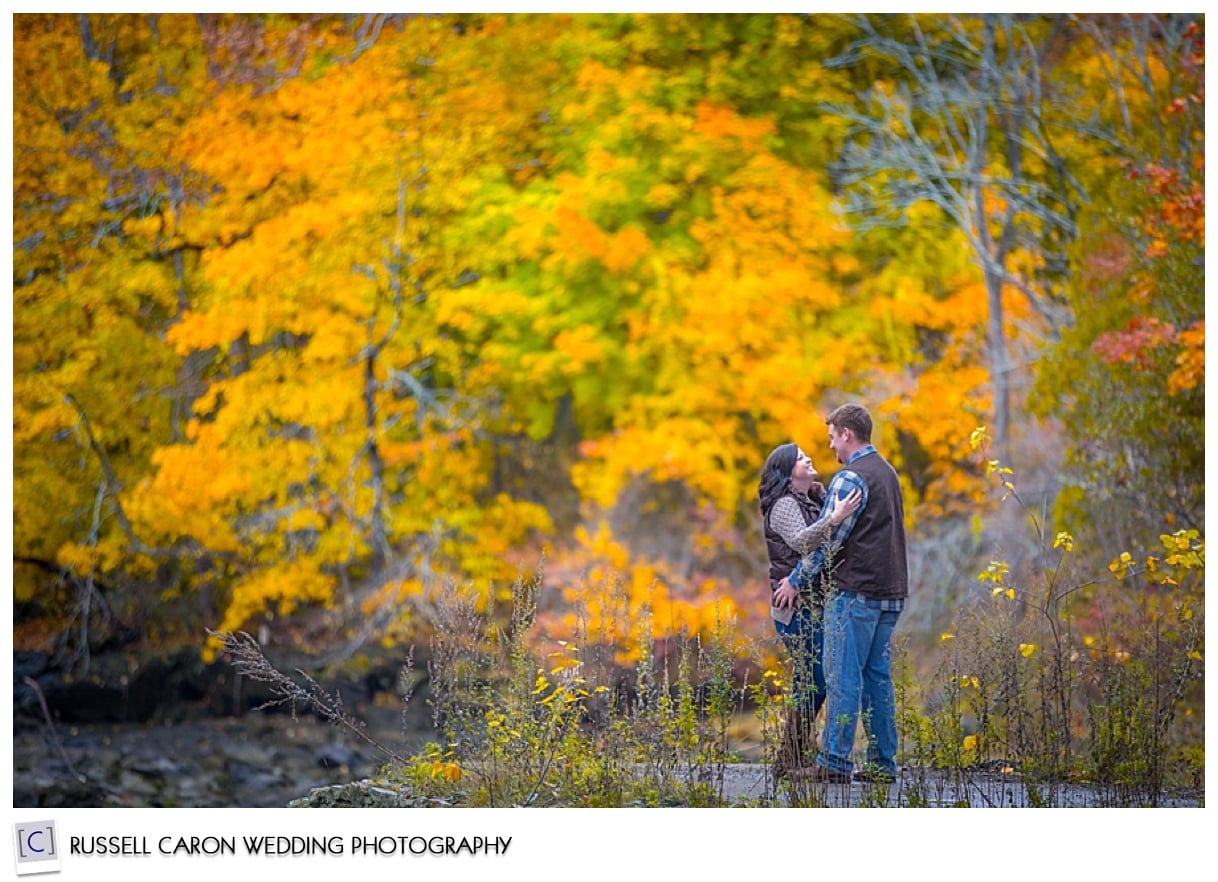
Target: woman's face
[803,473]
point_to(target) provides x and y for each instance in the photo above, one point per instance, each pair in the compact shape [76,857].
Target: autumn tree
[664,294]
[1128,377]
[966,120]
[337,417]
[96,281]
[184,180]
[317,314]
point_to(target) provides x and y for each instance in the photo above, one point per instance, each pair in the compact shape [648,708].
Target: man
[869,576]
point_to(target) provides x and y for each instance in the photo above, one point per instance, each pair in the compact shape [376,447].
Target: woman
[796,522]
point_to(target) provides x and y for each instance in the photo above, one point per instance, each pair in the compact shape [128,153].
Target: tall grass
[566,723]
[1050,679]
[1047,680]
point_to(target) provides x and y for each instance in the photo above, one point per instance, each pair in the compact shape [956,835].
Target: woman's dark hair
[776,475]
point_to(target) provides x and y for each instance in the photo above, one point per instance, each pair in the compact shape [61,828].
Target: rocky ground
[256,760]
[172,731]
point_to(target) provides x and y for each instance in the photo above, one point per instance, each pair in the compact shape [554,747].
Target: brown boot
[798,748]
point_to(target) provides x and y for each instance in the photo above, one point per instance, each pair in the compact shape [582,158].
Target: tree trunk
[1000,364]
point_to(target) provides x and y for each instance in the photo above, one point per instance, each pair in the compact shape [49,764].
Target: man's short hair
[853,417]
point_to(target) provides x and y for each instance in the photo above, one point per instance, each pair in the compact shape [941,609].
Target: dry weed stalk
[249,661]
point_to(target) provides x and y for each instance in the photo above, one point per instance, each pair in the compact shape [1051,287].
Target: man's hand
[784,595]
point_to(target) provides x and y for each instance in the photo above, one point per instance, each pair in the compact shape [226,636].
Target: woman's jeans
[804,638]
[858,658]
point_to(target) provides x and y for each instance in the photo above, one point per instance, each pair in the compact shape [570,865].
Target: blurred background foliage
[316,315]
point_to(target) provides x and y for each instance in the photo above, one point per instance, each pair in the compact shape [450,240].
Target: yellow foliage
[579,347]
[401,270]
[622,599]
[625,249]
[719,121]
[676,449]
[1190,363]
[283,587]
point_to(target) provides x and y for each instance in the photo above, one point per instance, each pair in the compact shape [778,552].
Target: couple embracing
[838,582]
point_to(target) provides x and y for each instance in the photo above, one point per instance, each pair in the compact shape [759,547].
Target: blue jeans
[804,638]
[858,657]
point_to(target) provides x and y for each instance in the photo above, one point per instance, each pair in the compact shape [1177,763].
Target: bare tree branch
[959,130]
[52,731]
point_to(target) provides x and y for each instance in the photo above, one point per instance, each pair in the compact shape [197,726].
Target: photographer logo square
[36,845]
